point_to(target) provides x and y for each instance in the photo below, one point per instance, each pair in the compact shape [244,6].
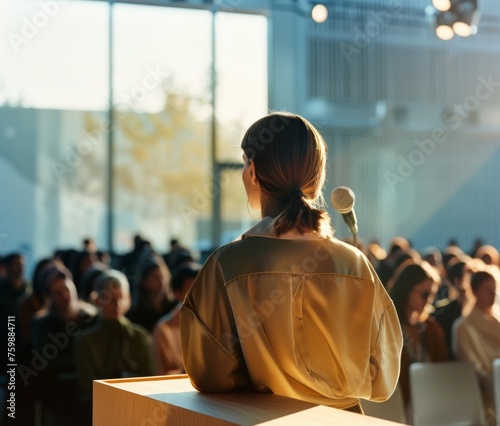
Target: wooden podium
[172,400]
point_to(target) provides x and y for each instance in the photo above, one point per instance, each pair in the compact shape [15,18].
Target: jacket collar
[260,229]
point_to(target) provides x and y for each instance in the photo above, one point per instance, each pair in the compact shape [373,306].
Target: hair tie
[295,193]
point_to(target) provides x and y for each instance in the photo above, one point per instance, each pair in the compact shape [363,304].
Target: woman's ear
[253,175]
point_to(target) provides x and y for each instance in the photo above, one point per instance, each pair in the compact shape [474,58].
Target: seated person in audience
[153,296]
[53,336]
[82,262]
[35,303]
[477,335]
[458,301]
[114,347]
[13,287]
[412,290]
[166,335]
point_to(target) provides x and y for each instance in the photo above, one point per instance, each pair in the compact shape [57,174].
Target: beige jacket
[477,338]
[306,319]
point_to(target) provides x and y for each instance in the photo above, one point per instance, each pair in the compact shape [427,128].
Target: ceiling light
[444,32]
[441,5]
[319,13]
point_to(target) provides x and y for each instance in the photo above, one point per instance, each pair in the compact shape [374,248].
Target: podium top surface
[241,408]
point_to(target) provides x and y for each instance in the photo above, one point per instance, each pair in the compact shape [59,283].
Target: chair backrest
[496,386]
[393,409]
[445,393]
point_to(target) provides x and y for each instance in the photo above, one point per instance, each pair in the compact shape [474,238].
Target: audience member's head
[15,264]
[89,245]
[153,276]
[458,273]
[403,256]
[483,285]
[183,277]
[59,288]
[103,257]
[451,252]
[113,294]
[412,289]
[375,252]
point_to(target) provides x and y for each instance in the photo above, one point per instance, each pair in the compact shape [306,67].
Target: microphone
[342,200]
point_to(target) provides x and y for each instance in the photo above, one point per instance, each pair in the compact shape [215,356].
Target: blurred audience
[445,302]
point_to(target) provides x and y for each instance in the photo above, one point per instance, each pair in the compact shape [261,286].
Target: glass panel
[241,65]
[238,216]
[50,59]
[162,133]
[53,91]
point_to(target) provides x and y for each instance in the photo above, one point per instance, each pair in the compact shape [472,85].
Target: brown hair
[290,160]
[408,275]
[479,278]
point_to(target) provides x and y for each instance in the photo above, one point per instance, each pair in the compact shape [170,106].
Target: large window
[55,65]
[53,87]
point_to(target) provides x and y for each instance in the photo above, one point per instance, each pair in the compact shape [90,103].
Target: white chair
[393,409]
[445,393]
[496,386]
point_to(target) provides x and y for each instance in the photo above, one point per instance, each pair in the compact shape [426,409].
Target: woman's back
[305,315]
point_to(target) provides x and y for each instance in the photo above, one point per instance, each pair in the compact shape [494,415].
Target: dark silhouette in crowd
[13,286]
[152,295]
[176,255]
[82,262]
[130,260]
[89,245]
[34,303]
[412,289]
[457,302]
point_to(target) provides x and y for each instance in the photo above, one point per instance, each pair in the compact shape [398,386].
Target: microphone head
[342,199]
